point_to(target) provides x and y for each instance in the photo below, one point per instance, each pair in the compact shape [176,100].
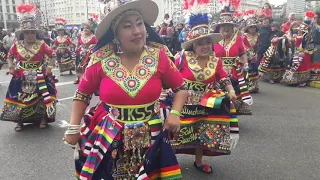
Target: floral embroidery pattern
[100,54]
[132,82]
[199,73]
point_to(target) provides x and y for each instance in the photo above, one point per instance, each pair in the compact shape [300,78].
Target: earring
[147,35]
[119,51]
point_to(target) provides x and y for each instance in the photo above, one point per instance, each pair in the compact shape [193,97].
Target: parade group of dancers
[132,133]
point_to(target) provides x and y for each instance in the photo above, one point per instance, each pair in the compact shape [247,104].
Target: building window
[8,9]
[13,2]
[9,17]
[14,9]
[7,1]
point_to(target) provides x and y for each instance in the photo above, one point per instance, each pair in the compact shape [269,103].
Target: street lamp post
[87,9]
[45,6]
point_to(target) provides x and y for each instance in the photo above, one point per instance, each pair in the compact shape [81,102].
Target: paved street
[279,142]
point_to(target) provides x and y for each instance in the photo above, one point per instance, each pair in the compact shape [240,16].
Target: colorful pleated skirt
[214,130]
[302,73]
[66,61]
[27,97]
[112,149]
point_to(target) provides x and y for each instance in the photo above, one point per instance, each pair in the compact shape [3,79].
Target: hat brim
[19,32]
[215,37]
[299,29]
[252,25]
[226,23]
[149,11]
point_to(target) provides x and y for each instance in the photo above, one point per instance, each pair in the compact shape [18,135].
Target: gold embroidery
[30,53]
[252,39]
[62,39]
[85,39]
[161,46]
[132,82]
[229,44]
[199,73]
[100,54]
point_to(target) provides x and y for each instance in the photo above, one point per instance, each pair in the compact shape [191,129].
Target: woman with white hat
[231,50]
[64,48]
[206,120]
[298,69]
[123,137]
[272,65]
[251,41]
[31,95]
[86,41]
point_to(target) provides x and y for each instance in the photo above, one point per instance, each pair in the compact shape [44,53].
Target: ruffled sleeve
[170,75]
[94,40]
[180,65]
[221,74]
[69,42]
[240,46]
[245,41]
[89,84]
[47,50]
[13,52]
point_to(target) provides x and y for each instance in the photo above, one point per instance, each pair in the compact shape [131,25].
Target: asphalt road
[279,142]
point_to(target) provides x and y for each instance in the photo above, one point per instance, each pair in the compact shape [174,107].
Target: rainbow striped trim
[100,141]
[213,99]
[168,173]
[44,89]
[215,118]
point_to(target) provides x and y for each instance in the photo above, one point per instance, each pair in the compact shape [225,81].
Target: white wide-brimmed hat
[27,18]
[148,9]
[200,32]
[197,17]
[226,19]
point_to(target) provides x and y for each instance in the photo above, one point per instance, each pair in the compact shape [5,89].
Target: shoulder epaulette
[161,46]
[100,54]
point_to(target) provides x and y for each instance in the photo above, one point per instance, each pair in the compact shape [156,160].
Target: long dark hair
[268,4]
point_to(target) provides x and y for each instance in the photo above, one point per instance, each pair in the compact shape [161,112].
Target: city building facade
[296,6]
[8,15]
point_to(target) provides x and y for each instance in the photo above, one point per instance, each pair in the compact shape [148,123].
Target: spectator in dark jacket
[264,40]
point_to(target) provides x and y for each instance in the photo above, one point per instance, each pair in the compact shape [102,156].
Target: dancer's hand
[48,71]
[246,67]
[261,74]
[12,70]
[72,139]
[172,123]
[232,96]
[163,95]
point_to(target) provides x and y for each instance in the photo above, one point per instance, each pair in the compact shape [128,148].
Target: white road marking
[4,82]
[64,83]
[63,99]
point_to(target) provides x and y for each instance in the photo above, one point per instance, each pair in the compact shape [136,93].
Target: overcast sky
[277,2]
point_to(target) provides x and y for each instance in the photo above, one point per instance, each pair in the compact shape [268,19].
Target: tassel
[51,110]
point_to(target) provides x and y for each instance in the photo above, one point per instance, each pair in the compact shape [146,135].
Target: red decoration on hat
[94,16]
[237,14]
[26,8]
[310,14]
[61,20]
[235,4]
[203,1]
